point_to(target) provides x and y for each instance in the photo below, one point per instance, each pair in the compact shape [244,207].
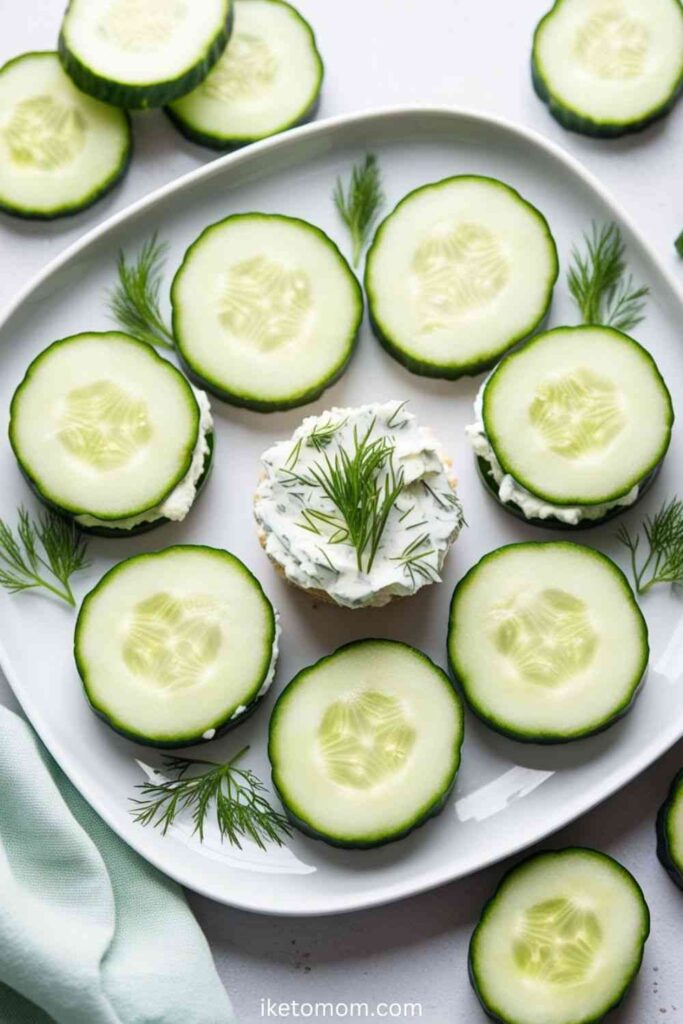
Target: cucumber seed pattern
[45,134]
[578,413]
[546,636]
[172,642]
[264,303]
[141,25]
[557,942]
[103,426]
[457,270]
[364,739]
[247,68]
[612,45]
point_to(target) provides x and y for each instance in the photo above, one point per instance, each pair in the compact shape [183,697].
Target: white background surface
[472,53]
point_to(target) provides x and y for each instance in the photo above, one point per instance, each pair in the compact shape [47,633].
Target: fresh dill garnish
[362,484]
[322,434]
[134,302]
[602,289]
[679,244]
[236,795]
[49,545]
[414,559]
[360,202]
[663,561]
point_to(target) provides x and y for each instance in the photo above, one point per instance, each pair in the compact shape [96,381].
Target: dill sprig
[360,202]
[679,244]
[602,289]
[363,486]
[414,559]
[663,562]
[49,545]
[134,301]
[236,795]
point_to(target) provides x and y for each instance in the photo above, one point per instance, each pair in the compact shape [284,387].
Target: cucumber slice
[60,151]
[670,831]
[457,274]
[105,430]
[608,67]
[266,311]
[560,941]
[176,647]
[142,53]
[365,744]
[579,416]
[267,80]
[547,641]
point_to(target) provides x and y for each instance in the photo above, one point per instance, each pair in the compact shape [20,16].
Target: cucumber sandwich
[110,434]
[60,150]
[365,744]
[267,79]
[571,429]
[266,311]
[560,941]
[607,67]
[547,641]
[142,53]
[670,831]
[461,271]
[177,646]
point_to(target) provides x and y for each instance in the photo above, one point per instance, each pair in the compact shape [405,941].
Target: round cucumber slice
[267,80]
[547,641]
[579,416]
[365,744]
[560,941]
[142,53]
[608,67]
[60,151]
[458,273]
[102,426]
[266,311]
[177,646]
[670,831]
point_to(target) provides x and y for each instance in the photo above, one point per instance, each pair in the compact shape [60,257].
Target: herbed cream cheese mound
[511,491]
[178,503]
[358,506]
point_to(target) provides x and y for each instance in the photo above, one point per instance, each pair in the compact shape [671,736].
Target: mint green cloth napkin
[89,932]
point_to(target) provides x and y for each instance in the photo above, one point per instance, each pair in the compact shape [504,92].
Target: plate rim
[612,782]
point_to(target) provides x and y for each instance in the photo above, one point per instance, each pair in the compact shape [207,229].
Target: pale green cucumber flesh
[670,831]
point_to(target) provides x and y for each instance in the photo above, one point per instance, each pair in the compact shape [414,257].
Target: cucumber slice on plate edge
[221,142]
[216,728]
[97,192]
[140,97]
[535,735]
[220,388]
[476,366]
[496,1013]
[297,814]
[671,862]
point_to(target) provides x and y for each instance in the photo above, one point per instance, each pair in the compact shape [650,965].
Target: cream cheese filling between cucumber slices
[59,149]
[301,528]
[267,79]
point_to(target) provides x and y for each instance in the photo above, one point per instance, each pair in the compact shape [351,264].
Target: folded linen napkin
[89,932]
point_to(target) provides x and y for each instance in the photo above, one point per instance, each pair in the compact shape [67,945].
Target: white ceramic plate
[507,795]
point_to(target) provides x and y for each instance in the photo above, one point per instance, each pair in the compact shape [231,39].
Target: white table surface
[471,53]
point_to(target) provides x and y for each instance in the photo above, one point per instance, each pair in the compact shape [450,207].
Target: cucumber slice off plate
[547,641]
[461,271]
[104,428]
[560,941]
[670,831]
[267,80]
[365,744]
[60,151]
[177,646]
[607,67]
[579,416]
[266,311]
[142,53]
